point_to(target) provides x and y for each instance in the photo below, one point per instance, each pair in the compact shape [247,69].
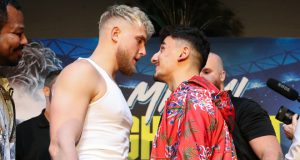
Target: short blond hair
[130,14]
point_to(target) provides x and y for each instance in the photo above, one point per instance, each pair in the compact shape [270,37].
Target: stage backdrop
[249,63]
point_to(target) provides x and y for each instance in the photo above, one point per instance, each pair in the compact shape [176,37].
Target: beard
[158,76]
[217,84]
[14,58]
[125,62]
[5,61]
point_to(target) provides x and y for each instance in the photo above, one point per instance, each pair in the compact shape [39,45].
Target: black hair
[3,10]
[192,35]
[49,80]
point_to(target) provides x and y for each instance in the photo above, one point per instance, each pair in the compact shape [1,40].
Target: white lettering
[158,93]
[143,96]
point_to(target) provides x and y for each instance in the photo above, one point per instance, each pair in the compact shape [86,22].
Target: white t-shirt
[294,151]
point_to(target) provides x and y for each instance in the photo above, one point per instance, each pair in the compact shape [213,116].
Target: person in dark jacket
[33,136]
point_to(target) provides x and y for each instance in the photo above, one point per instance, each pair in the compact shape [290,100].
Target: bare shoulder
[80,74]
[79,68]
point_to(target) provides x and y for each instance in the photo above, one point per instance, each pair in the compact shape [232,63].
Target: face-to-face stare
[12,38]
[131,48]
[213,71]
[165,59]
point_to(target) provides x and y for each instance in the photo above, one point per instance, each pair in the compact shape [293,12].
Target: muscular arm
[266,147]
[257,129]
[72,93]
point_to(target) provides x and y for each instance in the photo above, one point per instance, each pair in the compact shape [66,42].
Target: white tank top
[107,125]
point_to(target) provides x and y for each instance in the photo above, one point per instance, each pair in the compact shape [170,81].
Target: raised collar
[4,83]
[42,120]
[198,80]
[220,98]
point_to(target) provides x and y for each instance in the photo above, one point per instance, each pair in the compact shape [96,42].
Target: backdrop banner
[249,63]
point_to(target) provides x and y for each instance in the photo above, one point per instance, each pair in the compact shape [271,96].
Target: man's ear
[115,32]
[185,53]
[223,75]
[46,91]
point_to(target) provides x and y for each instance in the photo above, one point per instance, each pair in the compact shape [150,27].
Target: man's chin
[128,72]
[13,62]
[10,63]
[157,78]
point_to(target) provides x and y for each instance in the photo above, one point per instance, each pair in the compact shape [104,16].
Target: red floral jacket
[195,124]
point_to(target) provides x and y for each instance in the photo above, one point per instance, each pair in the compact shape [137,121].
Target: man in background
[12,40]
[90,118]
[253,135]
[33,137]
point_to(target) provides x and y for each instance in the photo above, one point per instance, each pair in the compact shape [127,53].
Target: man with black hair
[12,40]
[12,37]
[253,134]
[33,137]
[197,118]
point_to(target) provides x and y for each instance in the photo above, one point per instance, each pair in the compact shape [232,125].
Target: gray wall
[63,18]
[78,18]
[268,18]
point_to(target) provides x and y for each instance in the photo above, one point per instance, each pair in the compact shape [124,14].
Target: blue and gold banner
[249,63]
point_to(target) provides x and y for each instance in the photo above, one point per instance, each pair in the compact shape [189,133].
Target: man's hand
[289,130]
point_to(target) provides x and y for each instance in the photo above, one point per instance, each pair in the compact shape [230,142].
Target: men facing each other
[194,125]
[90,118]
[33,137]
[12,40]
[253,135]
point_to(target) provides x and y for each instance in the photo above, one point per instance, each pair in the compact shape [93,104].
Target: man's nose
[24,40]
[154,58]
[143,51]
